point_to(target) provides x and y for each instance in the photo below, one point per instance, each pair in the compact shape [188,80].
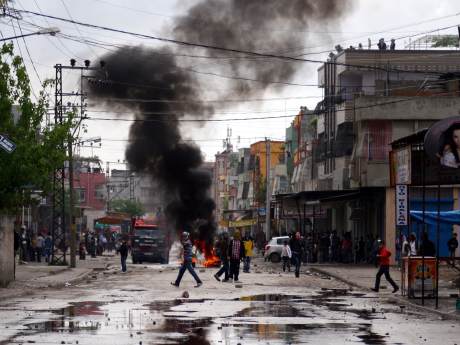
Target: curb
[398,299]
[30,289]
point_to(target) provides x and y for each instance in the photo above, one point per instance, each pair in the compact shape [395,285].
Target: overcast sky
[366,18]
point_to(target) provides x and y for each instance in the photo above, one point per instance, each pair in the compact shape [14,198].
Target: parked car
[274,248]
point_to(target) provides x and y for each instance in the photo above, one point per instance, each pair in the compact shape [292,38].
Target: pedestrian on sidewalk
[296,249]
[33,248]
[187,263]
[235,254]
[286,255]
[383,256]
[427,247]
[39,246]
[48,243]
[248,252]
[222,247]
[123,250]
[452,244]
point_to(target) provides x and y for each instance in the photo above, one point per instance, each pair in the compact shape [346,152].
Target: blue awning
[431,217]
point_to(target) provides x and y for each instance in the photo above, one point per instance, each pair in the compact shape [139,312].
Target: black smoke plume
[150,84]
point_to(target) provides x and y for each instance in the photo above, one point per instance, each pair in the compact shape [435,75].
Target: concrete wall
[390,230]
[6,250]
[399,108]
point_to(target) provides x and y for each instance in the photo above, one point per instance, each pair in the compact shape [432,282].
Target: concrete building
[372,98]
[225,182]
[127,185]
[89,183]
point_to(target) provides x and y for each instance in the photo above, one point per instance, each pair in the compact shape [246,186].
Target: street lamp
[45,31]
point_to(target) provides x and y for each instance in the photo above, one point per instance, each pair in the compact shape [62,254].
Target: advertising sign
[401,205]
[7,144]
[442,142]
[402,165]
[419,274]
[241,223]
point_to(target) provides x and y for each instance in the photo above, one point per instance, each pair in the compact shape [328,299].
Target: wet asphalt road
[270,308]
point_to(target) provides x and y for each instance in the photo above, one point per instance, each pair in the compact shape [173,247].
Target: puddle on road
[326,317]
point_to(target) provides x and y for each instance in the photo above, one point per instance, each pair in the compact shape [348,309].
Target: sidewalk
[33,275]
[363,277]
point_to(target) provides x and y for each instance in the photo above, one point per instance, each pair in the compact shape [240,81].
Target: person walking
[248,252]
[383,255]
[223,254]
[296,249]
[286,255]
[123,250]
[235,254]
[187,263]
[452,244]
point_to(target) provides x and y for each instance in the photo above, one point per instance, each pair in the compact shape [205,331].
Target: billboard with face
[442,142]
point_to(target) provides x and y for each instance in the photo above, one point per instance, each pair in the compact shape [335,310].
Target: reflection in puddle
[272,318]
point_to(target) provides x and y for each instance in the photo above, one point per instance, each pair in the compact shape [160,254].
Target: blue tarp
[431,217]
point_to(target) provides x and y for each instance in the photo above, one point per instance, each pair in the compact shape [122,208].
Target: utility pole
[73,228]
[59,229]
[268,193]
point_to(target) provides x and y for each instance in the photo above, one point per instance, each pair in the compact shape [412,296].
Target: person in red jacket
[383,255]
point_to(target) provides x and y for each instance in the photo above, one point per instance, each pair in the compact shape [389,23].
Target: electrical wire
[78,29]
[250,118]
[218,48]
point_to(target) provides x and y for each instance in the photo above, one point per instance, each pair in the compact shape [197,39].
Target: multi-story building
[127,185]
[372,98]
[225,182]
[89,184]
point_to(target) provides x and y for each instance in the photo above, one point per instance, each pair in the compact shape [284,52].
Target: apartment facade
[372,98]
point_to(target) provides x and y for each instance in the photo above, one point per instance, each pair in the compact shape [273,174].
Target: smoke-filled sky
[365,18]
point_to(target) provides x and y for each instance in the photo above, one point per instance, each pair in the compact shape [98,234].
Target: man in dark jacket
[296,246]
[123,250]
[235,255]
[187,263]
[452,244]
[223,254]
[427,247]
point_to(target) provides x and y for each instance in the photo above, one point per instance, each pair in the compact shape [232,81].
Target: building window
[80,195]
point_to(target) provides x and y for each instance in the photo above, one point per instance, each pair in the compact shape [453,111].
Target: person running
[383,255]
[223,254]
[235,254]
[187,263]
[286,256]
[248,252]
[296,249]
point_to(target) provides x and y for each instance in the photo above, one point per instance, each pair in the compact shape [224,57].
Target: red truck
[149,242]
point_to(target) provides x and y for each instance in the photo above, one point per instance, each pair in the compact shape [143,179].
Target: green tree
[133,208]
[38,145]
[446,41]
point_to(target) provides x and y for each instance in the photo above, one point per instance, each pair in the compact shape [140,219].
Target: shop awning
[431,217]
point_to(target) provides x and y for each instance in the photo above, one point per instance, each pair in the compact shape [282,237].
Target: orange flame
[211,259]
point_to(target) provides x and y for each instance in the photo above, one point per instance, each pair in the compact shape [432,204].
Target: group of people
[95,244]
[329,247]
[231,251]
[32,247]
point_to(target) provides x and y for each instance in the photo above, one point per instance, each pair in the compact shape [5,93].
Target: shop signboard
[401,205]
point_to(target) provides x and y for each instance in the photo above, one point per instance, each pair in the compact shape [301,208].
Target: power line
[76,27]
[72,54]
[217,48]
[165,119]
